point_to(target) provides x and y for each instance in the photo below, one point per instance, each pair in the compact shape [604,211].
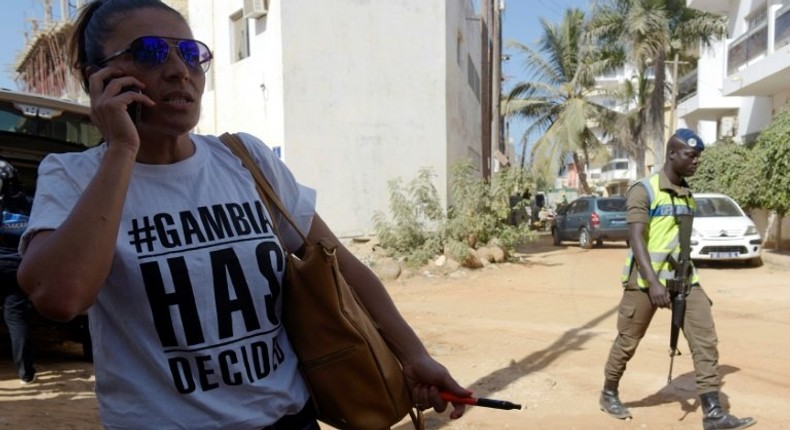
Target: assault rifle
[679,288]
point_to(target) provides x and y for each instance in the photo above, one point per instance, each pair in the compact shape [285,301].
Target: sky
[521,22]
[14,21]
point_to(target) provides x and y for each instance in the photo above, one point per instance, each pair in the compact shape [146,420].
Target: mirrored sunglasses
[153,51]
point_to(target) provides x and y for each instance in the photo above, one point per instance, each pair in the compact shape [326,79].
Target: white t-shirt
[186,329]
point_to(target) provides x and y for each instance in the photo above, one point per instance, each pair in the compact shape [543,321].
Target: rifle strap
[685,221]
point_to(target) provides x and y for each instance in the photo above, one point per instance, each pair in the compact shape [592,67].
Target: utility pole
[673,114]
[486,66]
[496,78]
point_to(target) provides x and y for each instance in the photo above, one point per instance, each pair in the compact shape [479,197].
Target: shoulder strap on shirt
[645,182]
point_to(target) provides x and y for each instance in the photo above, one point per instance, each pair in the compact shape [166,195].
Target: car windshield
[68,127]
[611,205]
[716,207]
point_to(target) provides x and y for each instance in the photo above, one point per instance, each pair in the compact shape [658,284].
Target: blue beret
[690,138]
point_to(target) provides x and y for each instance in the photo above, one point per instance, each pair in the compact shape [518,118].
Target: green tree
[730,169]
[773,155]
[558,100]
[630,128]
[648,32]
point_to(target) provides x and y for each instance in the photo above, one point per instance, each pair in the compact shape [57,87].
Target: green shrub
[730,169]
[414,233]
[478,216]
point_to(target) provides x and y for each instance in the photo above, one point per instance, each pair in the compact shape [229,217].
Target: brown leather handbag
[354,378]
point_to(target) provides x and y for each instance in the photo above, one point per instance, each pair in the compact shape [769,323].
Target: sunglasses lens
[153,51]
[195,54]
[150,50]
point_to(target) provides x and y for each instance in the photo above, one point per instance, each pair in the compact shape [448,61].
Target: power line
[550,6]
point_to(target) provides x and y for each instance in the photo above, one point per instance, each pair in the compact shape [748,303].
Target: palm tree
[648,32]
[629,130]
[558,99]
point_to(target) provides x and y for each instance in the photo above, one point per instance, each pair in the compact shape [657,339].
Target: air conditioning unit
[255,8]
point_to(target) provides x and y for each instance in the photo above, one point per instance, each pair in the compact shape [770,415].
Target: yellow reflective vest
[663,240]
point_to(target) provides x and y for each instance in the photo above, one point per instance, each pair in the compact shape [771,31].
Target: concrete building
[614,175]
[754,64]
[701,103]
[351,94]
[42,66]
[755,61]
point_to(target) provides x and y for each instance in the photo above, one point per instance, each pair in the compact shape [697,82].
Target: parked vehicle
[591,220]
[723,231]
[32,126]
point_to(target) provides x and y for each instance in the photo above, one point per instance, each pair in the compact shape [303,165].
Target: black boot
[716,418]
[610,401]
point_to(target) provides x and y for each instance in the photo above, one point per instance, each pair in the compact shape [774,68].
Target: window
[717,207]
[758,17]
[472,77]
[239,37]
[27,119]
[577,207]
[782,27]
[612,205]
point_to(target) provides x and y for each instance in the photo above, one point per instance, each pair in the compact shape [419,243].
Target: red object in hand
[486,403]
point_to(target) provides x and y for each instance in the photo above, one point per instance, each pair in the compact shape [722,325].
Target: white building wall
[754,115]
[463,122]
[762,82]
[244,95]
[355,93]
[705,110]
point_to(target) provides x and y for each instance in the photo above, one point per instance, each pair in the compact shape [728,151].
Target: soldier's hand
[659,295]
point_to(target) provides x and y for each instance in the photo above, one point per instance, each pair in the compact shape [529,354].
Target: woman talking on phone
[154,233]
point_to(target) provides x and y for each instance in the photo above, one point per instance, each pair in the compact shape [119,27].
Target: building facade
[42,65]
[701,103]
[351,94]
[753,63]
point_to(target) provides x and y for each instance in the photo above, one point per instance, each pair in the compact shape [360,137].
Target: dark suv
[591,219]
[32,126]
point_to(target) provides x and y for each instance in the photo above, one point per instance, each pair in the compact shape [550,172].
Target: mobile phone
[134,109]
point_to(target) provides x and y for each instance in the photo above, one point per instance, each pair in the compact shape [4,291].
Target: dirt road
[535,333]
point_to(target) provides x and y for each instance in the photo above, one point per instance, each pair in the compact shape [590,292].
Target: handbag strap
[270,199]
[262,184]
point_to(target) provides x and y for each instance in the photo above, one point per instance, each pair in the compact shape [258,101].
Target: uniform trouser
[634,316]
[16,310]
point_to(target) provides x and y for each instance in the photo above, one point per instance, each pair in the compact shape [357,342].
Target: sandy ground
[535,333]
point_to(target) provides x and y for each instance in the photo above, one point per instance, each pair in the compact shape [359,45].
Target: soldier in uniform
[14,211]
[656,207]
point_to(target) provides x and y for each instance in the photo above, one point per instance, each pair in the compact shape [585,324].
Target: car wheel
[585,241]
[756,262]
[555,235]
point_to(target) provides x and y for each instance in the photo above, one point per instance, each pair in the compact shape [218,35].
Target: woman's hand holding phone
[116,102]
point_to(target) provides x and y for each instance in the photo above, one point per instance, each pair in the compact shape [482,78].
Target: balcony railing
[615,170]
[748,47]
